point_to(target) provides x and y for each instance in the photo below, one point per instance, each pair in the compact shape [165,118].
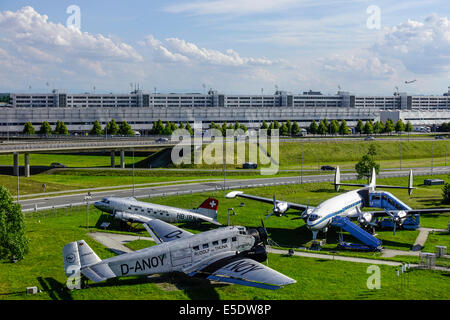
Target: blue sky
[233,46]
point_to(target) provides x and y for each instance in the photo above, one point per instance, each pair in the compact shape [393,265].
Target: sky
[371,47]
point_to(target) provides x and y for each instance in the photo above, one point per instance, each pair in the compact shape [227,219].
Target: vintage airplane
[132,210]
[230,254]
[348,205]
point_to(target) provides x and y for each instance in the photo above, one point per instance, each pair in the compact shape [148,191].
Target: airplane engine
[365,218]
[258,252]
[281,207]
[123,216]
[399,217]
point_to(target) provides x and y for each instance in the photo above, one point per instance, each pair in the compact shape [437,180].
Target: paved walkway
[116,242]
[416,248]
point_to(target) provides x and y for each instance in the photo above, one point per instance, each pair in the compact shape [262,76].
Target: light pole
[133,172]
[87,198]
[301,167]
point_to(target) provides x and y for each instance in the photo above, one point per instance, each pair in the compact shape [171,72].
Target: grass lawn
[390,154]
[50,230]
[316,278]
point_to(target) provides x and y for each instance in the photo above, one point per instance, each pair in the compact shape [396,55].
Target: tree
[243,127]
[96,129]
[322,128]
[326,124]
[61,128]
[289,127]
[313,127]
[271,127]
[389,126]
[359,126]
[368,127]
[125,129]
[399,126]
[45,128]
[284,131]
[13,241]
[112,127]
[378,127]
[343,128]
[408,127]
[189,129]
[372,150]
[364,167]
[295,129]
[157,127]
[264,125]
[446,193]
[334,127]
[28,128]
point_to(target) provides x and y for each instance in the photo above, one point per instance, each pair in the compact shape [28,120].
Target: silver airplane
[348,204]
[231,254]
[132,210]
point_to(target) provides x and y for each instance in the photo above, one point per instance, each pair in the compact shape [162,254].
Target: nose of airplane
[99,204]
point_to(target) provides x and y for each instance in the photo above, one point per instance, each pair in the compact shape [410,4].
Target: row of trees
[445,127]
[112,128]
[159,128]
[224,127]
[45,128]
[285,129]
[379,127]
[333,127]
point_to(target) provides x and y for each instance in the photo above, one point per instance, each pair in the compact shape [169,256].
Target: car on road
[369,138]
[162,140]
[439,137]
[249,165]
[57,165]
[330,168]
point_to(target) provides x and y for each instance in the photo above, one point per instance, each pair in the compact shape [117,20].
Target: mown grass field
[390,154]
[321,279]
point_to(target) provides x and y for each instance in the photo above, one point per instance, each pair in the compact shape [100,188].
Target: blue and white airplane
[348,205]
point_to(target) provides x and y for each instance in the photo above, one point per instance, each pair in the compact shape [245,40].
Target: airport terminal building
[141,109]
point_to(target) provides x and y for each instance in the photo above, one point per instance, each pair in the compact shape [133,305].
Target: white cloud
[178,50]
[361,65]
[423,47]
[46,47]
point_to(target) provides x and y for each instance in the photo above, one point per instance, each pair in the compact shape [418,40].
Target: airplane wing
[413,211]
[232,268]
[132,217]
[291,205]
[164,232]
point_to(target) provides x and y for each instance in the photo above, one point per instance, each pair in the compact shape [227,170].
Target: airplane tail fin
[77,255]
[373,182]
[373,179]
[209,208]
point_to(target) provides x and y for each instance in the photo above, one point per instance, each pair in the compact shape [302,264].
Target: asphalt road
[188,188]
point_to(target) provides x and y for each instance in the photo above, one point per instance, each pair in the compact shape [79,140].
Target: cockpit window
[313,217]
[105,200]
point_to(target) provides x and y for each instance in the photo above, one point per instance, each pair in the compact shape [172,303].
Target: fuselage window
[215,243]
[224,240]
[205,246]
[196,248]
[233,239]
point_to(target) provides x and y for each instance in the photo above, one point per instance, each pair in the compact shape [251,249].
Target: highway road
[62,201]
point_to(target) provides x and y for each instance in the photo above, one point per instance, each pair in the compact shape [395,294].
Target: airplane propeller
[396,219]
[278,209]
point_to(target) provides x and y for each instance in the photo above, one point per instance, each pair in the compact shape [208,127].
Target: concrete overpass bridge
[115,145]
